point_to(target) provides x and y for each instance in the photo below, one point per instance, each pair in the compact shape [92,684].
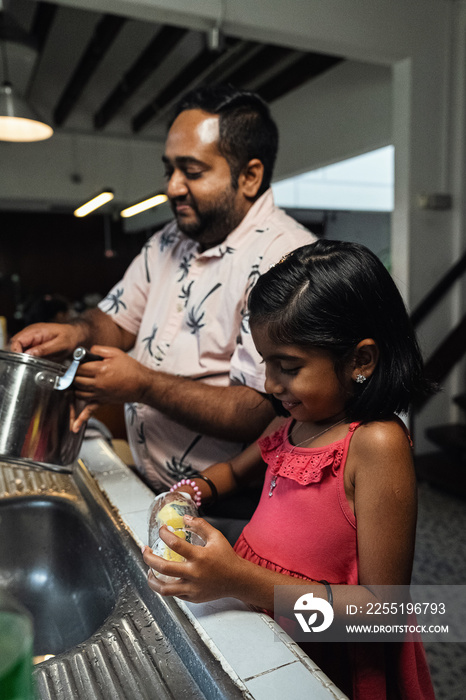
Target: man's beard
[213,224]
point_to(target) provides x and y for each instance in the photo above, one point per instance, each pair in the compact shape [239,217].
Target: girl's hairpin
[281,259]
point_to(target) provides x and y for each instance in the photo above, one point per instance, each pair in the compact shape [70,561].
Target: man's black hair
[247,129]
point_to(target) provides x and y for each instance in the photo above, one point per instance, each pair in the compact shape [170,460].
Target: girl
[338,504]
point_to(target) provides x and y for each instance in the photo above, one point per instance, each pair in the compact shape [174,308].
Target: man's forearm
[235,413]
[97,328]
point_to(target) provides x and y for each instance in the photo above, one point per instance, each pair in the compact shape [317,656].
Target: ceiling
[102,74]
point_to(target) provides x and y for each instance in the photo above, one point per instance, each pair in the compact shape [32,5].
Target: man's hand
[59,340]
[117,378]
[54,340]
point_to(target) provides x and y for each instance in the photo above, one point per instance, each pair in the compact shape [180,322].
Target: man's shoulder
[280,233]
[276,223]
[281,222]
[271,245]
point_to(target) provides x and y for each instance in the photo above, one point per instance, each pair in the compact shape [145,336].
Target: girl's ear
[366,356]
[250,178]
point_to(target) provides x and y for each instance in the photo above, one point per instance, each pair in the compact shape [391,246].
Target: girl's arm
[385,505]
[237,473]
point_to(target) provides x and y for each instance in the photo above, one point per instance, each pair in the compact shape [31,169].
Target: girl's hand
[210,572]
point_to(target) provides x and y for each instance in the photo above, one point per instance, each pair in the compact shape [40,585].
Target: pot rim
[25,359]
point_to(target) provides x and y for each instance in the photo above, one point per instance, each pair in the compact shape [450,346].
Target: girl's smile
[288,405]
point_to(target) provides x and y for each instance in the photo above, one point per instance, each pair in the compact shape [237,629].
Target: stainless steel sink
[51,560]
[68,557]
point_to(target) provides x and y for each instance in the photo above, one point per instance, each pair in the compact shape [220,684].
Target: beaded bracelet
[194,486]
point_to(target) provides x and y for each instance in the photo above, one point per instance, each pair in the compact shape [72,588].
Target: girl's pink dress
[306,529]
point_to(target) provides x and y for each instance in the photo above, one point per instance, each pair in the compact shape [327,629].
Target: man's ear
[250,179]
[366,356]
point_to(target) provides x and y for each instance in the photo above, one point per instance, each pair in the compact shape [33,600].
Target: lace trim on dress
[307,467]
[245,551]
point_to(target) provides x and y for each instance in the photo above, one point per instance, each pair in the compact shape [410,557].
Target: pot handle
[80,356]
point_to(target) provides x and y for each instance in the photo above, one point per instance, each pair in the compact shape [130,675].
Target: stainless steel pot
[37,409]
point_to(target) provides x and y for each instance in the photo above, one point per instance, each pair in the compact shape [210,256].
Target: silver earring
[360,379]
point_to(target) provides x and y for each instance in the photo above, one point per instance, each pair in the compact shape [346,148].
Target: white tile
[241,635]
[292,680]
[252,656]
[99,457]
[126,492]
[214,607]
[138,524]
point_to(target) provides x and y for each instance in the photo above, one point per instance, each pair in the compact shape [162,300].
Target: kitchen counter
[256,653]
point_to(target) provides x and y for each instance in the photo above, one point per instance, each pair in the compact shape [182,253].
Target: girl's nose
[176,185]
[272,385]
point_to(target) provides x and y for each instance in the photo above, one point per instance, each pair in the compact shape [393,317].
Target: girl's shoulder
[382,434]
[381,445]
[383,430]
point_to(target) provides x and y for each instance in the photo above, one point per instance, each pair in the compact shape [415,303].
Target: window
[364,183]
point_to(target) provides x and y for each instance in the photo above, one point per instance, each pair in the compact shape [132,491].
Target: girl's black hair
[332,295]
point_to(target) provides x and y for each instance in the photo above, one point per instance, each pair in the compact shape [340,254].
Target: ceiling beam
[175,88]
[265,58]
[104,35]
[305,68]
[157,50]
[42,22]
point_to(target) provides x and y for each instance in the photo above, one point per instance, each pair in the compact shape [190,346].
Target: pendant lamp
[18,121]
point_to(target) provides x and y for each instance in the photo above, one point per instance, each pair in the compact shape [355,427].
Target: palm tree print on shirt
[253,276]
[147,246]
[149,340]
[132,412]
[195,314]
[238,381]
[115,302]
[167,238]
[141,440]
[141,436]
[185,264]
[252,279]
[227,250]
[185,292]
[177,467]
[245,327]
[160,353]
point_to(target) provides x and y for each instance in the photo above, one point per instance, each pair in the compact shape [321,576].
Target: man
[193,384]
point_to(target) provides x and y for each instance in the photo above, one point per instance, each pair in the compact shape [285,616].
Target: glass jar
[168,509]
